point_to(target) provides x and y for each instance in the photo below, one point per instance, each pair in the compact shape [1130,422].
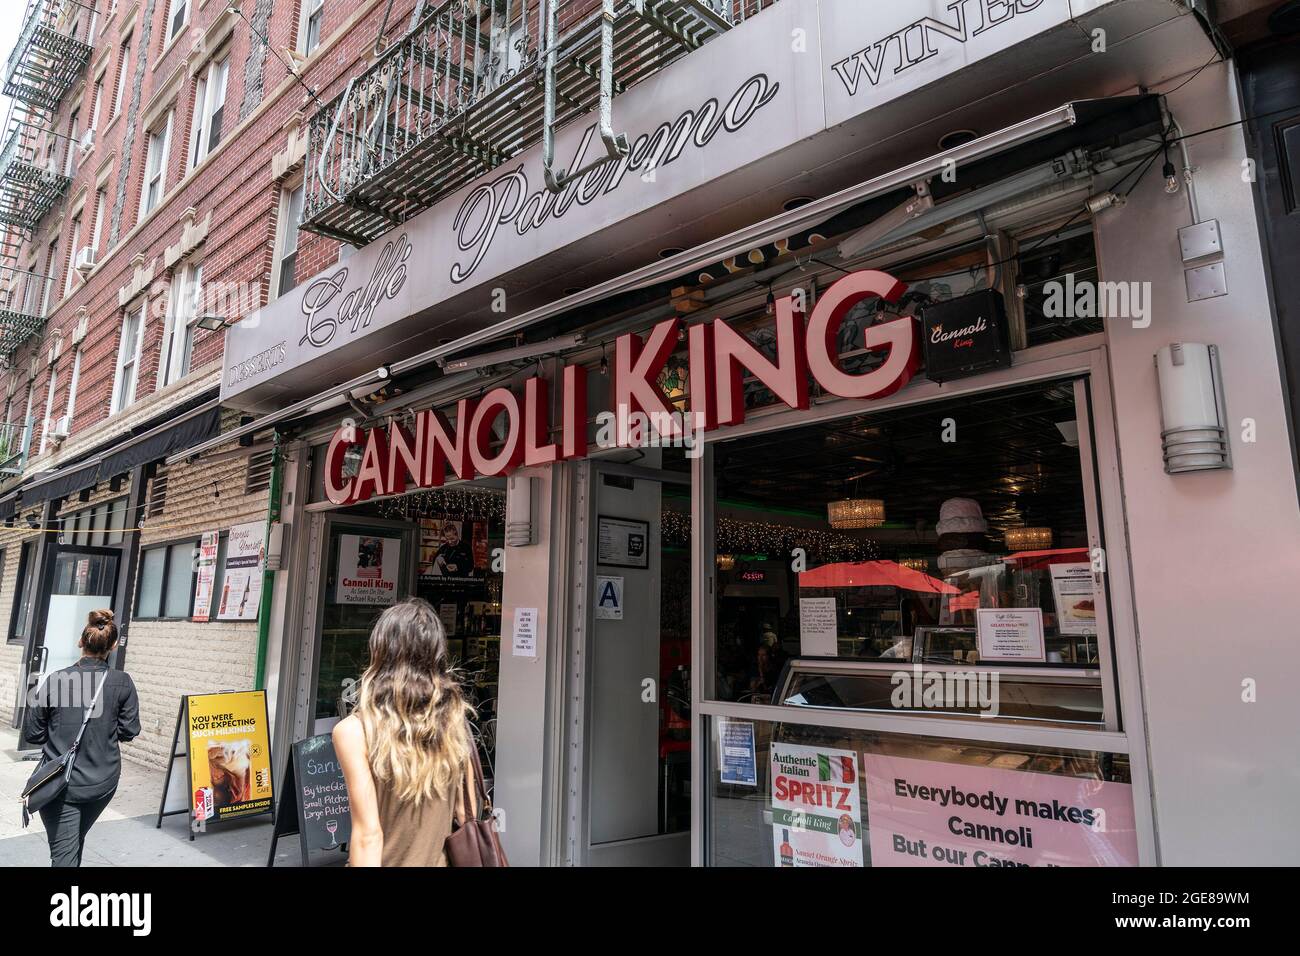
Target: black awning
[153,445]
[184,434]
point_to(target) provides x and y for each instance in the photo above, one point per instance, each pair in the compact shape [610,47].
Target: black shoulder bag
[51,778]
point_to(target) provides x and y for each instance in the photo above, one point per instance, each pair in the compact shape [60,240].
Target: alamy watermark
[948,690]
[1085,299]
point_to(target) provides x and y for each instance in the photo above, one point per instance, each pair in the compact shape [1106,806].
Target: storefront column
[1213,554]
[536,582]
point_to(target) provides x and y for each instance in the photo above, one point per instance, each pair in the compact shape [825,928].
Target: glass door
[367,566]
[79,580]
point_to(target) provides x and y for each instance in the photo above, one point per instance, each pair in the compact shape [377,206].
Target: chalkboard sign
[966,336]
[313,800]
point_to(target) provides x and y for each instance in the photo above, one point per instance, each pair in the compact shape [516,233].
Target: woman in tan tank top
[405,747]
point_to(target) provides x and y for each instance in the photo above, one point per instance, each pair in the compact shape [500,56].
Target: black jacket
[56,715]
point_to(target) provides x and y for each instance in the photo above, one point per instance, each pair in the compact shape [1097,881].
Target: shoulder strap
[85,720]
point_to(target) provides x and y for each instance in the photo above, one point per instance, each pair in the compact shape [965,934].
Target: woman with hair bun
[53,720]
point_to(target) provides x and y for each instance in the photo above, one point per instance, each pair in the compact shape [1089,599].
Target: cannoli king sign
[399,458]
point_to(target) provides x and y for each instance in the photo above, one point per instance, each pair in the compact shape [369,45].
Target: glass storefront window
[951,534]
[786,794]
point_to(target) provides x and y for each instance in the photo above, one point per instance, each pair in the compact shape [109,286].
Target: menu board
[1010,634]
[314,800]
[241,593]
[816,806]
[368,569]
[206,574]
[1076,600]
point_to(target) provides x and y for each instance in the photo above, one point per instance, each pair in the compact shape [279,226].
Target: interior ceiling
[1008,455]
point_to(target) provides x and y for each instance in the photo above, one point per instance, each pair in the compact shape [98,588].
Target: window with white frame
[182,312]
[155,167]
[286,243]
[72,387]
[123,61]
[177,12]
[128,358]
[309,27]
[101,207]
[74,136]
[97,102]
[73,246]
[46,423]
[209,105]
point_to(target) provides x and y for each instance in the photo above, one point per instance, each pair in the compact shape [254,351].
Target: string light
[732,536]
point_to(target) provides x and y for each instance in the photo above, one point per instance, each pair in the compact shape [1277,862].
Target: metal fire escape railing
[37,161]
[475,82]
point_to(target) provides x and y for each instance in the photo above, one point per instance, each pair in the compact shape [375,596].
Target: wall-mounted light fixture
[1194,433]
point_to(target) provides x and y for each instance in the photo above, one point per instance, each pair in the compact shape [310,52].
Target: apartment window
[209,104]
[72,253]
[128,358]
[123,59]
[51,252]
[97,102]
[286,242]
[24,595]
[101,203]
[183,310]
[167,578]
[74,133]
[309,29]
[155,172]
[46,423]
[177,11]
[72,387]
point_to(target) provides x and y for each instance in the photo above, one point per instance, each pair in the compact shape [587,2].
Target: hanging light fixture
[1028,539]
[915,564]
[726,562]
[856,513]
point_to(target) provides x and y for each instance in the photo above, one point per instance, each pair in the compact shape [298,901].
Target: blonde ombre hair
[415,717]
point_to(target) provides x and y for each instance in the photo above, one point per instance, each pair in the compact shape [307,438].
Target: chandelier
[1028,539]
[856,513]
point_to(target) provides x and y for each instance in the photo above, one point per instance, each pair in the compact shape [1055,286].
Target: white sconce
[1194,419]
[521,511]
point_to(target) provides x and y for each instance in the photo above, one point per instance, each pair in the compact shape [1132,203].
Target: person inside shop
[453,558]
[768,661]
[55,721]
[405,748]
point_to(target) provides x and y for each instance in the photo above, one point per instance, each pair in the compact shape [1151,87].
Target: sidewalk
[126,833]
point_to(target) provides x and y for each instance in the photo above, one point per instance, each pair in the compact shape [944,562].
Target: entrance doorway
[441,545]
[82,579]
[639,655]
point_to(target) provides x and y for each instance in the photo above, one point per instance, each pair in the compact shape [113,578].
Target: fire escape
[474,83]
[37,161]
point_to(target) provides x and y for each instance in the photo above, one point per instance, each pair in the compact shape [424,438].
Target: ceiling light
[856,513]
[1028,539]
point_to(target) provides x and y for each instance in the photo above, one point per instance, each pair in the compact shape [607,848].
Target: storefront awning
[198,426]
[1083,123]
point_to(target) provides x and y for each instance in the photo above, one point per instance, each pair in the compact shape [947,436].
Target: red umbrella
[873,574]
[1039,560]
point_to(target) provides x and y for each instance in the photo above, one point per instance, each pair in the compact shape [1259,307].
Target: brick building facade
[172,185]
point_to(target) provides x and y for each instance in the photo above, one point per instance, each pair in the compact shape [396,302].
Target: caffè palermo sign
[703,132]
[497,433]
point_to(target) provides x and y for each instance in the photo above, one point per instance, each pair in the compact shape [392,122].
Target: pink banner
[923,813]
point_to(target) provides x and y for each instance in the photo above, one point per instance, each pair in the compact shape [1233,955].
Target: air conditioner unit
[60,430]
[87,140]
[85,260]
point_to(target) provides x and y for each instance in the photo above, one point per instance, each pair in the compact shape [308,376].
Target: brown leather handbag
[473,840]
